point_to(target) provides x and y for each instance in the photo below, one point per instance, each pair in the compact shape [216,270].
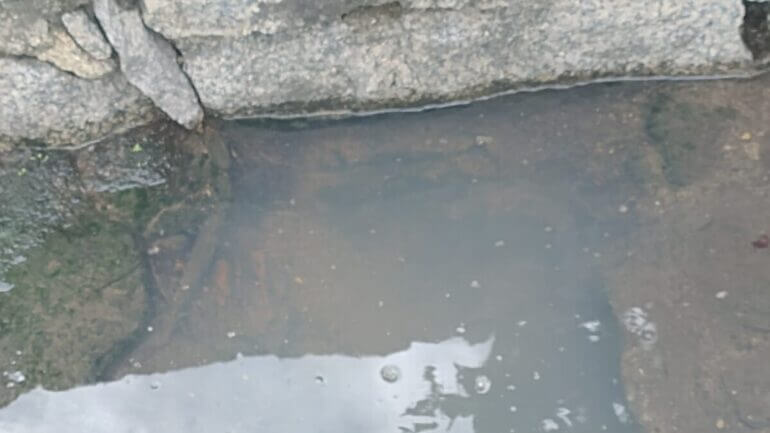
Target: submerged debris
[762,242]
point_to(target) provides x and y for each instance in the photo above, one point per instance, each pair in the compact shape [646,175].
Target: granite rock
[42,104]
[87,34]
[149,63]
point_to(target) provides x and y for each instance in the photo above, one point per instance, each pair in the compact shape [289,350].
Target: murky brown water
[577,260]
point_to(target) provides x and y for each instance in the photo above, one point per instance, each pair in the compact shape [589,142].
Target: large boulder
[295,56]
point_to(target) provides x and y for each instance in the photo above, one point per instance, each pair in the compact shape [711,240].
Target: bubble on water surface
[390,373]
[482,384]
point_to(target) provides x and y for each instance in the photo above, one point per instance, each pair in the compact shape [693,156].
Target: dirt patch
[693,275]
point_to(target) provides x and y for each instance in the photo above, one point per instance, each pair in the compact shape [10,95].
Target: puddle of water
[443,271]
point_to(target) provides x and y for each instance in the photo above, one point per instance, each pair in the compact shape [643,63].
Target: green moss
[73,298]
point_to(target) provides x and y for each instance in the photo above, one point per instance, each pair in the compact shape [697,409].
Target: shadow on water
[452,270]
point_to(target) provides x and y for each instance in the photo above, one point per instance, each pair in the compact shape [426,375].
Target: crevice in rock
[754,31]
[27,57]
[179,61]
[392,9]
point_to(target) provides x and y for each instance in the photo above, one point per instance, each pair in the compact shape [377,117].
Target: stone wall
[72,71]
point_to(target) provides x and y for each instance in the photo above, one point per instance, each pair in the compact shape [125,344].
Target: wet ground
[582,260]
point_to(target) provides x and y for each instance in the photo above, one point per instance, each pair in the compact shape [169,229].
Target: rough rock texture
[233,18]
[87,34]
[149,63]
[65,53]
[396,54]
[43,104]
[25,31]
[255,57]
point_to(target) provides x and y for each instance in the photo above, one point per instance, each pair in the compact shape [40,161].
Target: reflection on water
[333,393]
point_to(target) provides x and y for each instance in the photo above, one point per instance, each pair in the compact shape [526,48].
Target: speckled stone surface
[43,104]
[149,62]
[395,55]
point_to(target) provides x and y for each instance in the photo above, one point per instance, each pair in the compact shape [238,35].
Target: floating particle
[593,338]
[482,384]
[623,208]
[522,322]
[461,329]
[500,243]
[548,229]
[591,325]
[475,284]
[721,295]
[155,385]
[620,412]
[482,140]
[390,373]
[563,414]
[320,380]
[513,409]
[150,329]
[231,334]
[536,375]
[549,425]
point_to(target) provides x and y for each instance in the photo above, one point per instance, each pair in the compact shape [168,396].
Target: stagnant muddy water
[583,260]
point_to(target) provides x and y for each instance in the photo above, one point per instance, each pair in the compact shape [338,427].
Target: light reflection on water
[328,393]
